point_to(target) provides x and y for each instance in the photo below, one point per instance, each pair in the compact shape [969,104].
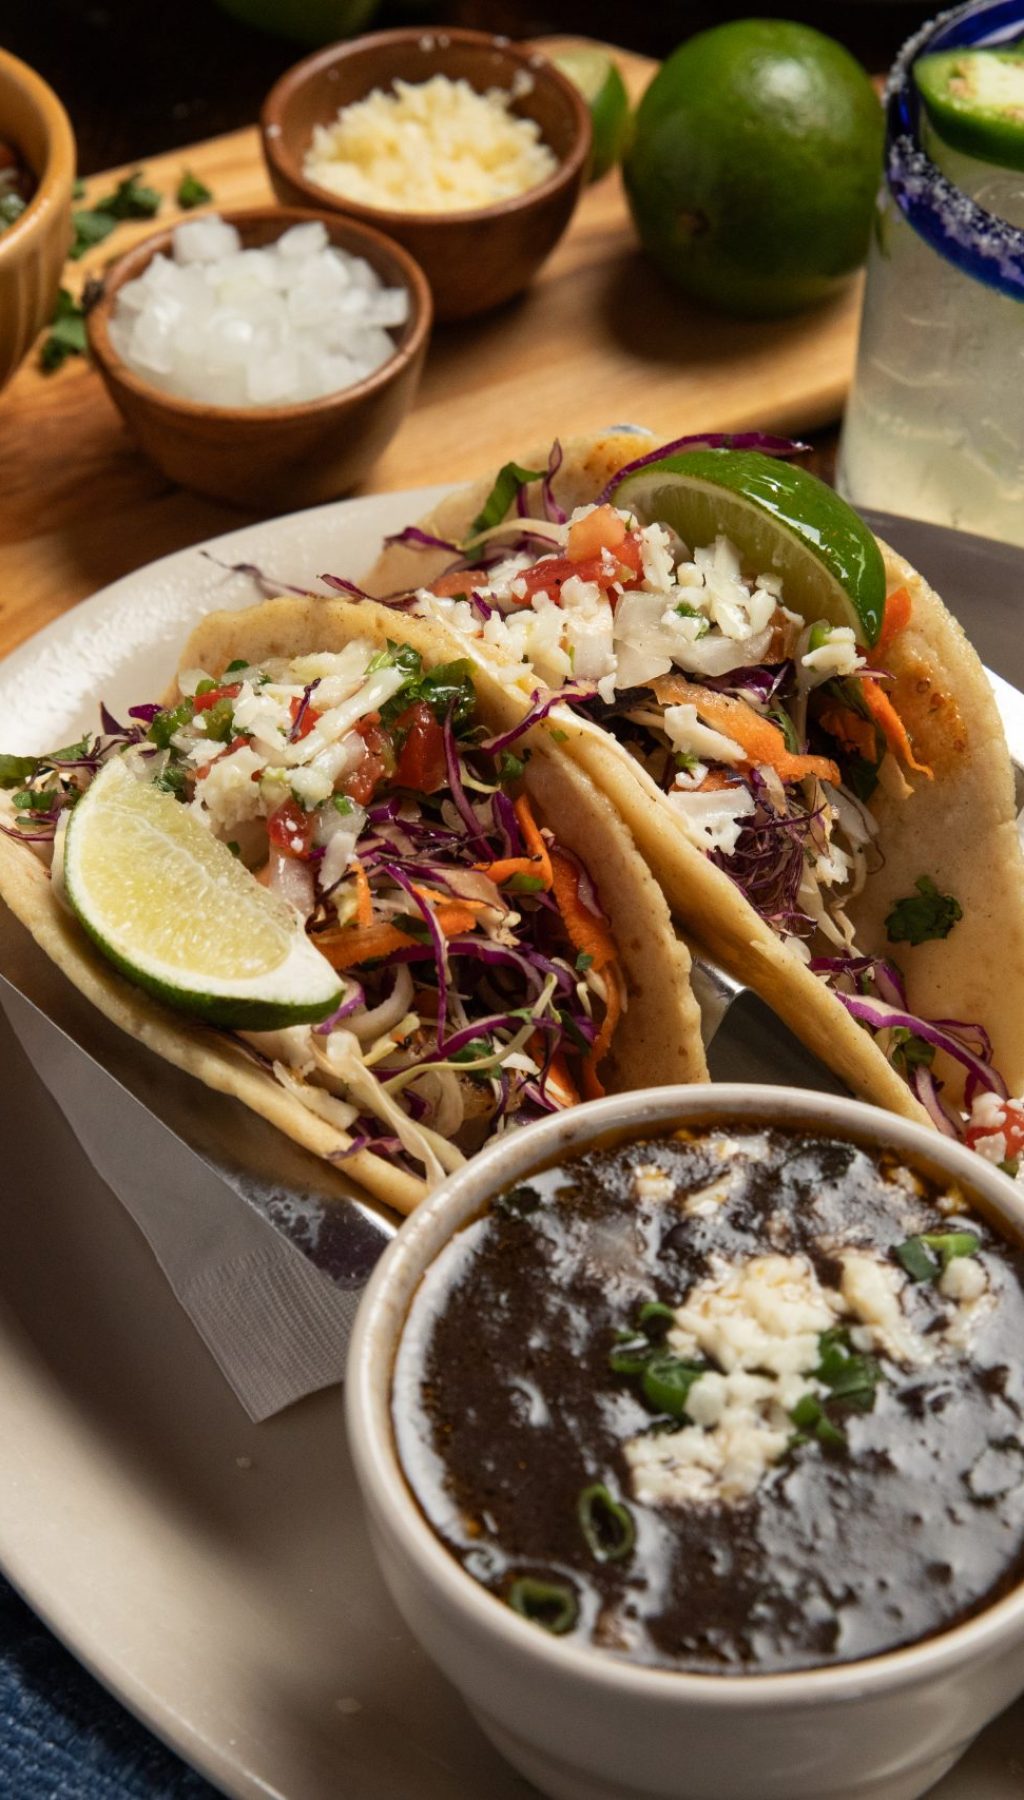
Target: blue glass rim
[979,243]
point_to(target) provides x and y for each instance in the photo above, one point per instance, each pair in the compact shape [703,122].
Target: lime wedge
[168,904]
[603,89]
[782,521]
[975,100]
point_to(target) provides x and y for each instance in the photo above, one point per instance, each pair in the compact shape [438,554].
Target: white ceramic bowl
[583,1725]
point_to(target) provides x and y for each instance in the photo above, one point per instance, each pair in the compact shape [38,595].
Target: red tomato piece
[290,829]
[623,565]
[1010,1122]
[203,702]
[362,782]
[421,764]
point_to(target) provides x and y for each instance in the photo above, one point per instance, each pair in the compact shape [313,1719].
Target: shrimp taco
[799,736]
[318,878]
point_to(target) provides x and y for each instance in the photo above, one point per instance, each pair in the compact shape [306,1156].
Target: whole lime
[754,164]
[305,21]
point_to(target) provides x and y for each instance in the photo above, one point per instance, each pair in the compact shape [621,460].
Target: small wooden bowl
[271,457]
[33,249]
[473,260]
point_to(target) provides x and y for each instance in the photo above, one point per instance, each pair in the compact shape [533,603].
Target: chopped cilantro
[167,723]
[172,780]
[233,667]
[342,804]
[929,1255]
[66,335]
[907,1051]
[510,766]
[860,776]
[509,480]
[192,192]
[11,208]
[15,769]
[472,1051]
[91,228]
[786,726]
[34,800]
[686,611]
[685,760]
[583,962]
[131,199]
[524,884]
[570,1027]
[924,915]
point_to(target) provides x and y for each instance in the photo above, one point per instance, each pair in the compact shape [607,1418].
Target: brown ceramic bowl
[278,457]
[473,260]
[33,249]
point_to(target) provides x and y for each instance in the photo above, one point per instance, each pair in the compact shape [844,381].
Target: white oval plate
[215,1575]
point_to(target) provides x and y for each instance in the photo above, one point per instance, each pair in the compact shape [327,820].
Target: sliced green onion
[666,1382]
[630,1354]
[655,1318]
[550,1604]
[851,1378]
[929,1255]
[811,1421]
[606,1523]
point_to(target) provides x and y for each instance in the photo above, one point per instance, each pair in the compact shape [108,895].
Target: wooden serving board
[599,339]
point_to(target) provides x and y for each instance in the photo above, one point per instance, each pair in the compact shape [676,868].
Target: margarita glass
[935,422]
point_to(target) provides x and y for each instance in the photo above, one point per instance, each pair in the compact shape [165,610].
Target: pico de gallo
[482,982]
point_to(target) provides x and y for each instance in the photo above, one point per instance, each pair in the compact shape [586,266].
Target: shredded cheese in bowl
[431,147]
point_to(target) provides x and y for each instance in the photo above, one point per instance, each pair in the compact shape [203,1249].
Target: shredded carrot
[559,1082]
[506,867]
[345,949]
[712,782]
[760,740]
[889,722]
[586,932]
[534,841]
[364,904]
[455,918]
[895,618]
[853,732]
[591,936]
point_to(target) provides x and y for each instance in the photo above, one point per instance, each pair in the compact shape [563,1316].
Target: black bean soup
[724,1401]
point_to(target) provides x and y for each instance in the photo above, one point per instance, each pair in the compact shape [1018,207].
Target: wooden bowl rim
[528,56]
[132,262]
[54,185]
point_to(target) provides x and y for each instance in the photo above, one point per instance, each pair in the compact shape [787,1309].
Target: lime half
[177,913]
[782,521]
[975,100]
[603,89]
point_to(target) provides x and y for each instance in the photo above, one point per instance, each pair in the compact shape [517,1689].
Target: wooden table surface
[598,339]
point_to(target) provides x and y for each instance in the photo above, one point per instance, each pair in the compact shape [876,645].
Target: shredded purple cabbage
[710,440]
[539,709]
[268,584]
[413,538]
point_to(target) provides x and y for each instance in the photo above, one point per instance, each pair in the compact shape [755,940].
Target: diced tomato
[623,565]
[362,782]
[290,829]
[602,529]
[203,702]
[460,581]
[1010,1122]
[309,718]
[421,764]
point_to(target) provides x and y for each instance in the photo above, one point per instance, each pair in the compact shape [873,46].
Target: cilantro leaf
[91,228]
[924,915]
[686,611]
[583,962]
[191,191]
[509,480]
[130,199]
[510,766]
[909,1051]
[16,769]
[67,333]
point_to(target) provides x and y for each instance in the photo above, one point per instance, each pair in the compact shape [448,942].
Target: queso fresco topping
[737,1401]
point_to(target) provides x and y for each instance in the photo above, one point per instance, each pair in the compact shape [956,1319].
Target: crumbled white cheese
[652,1182]
[836,656]
[963,1279]
[691,738]
[227,792]
[714,819]
[430,146]
[872,1290]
